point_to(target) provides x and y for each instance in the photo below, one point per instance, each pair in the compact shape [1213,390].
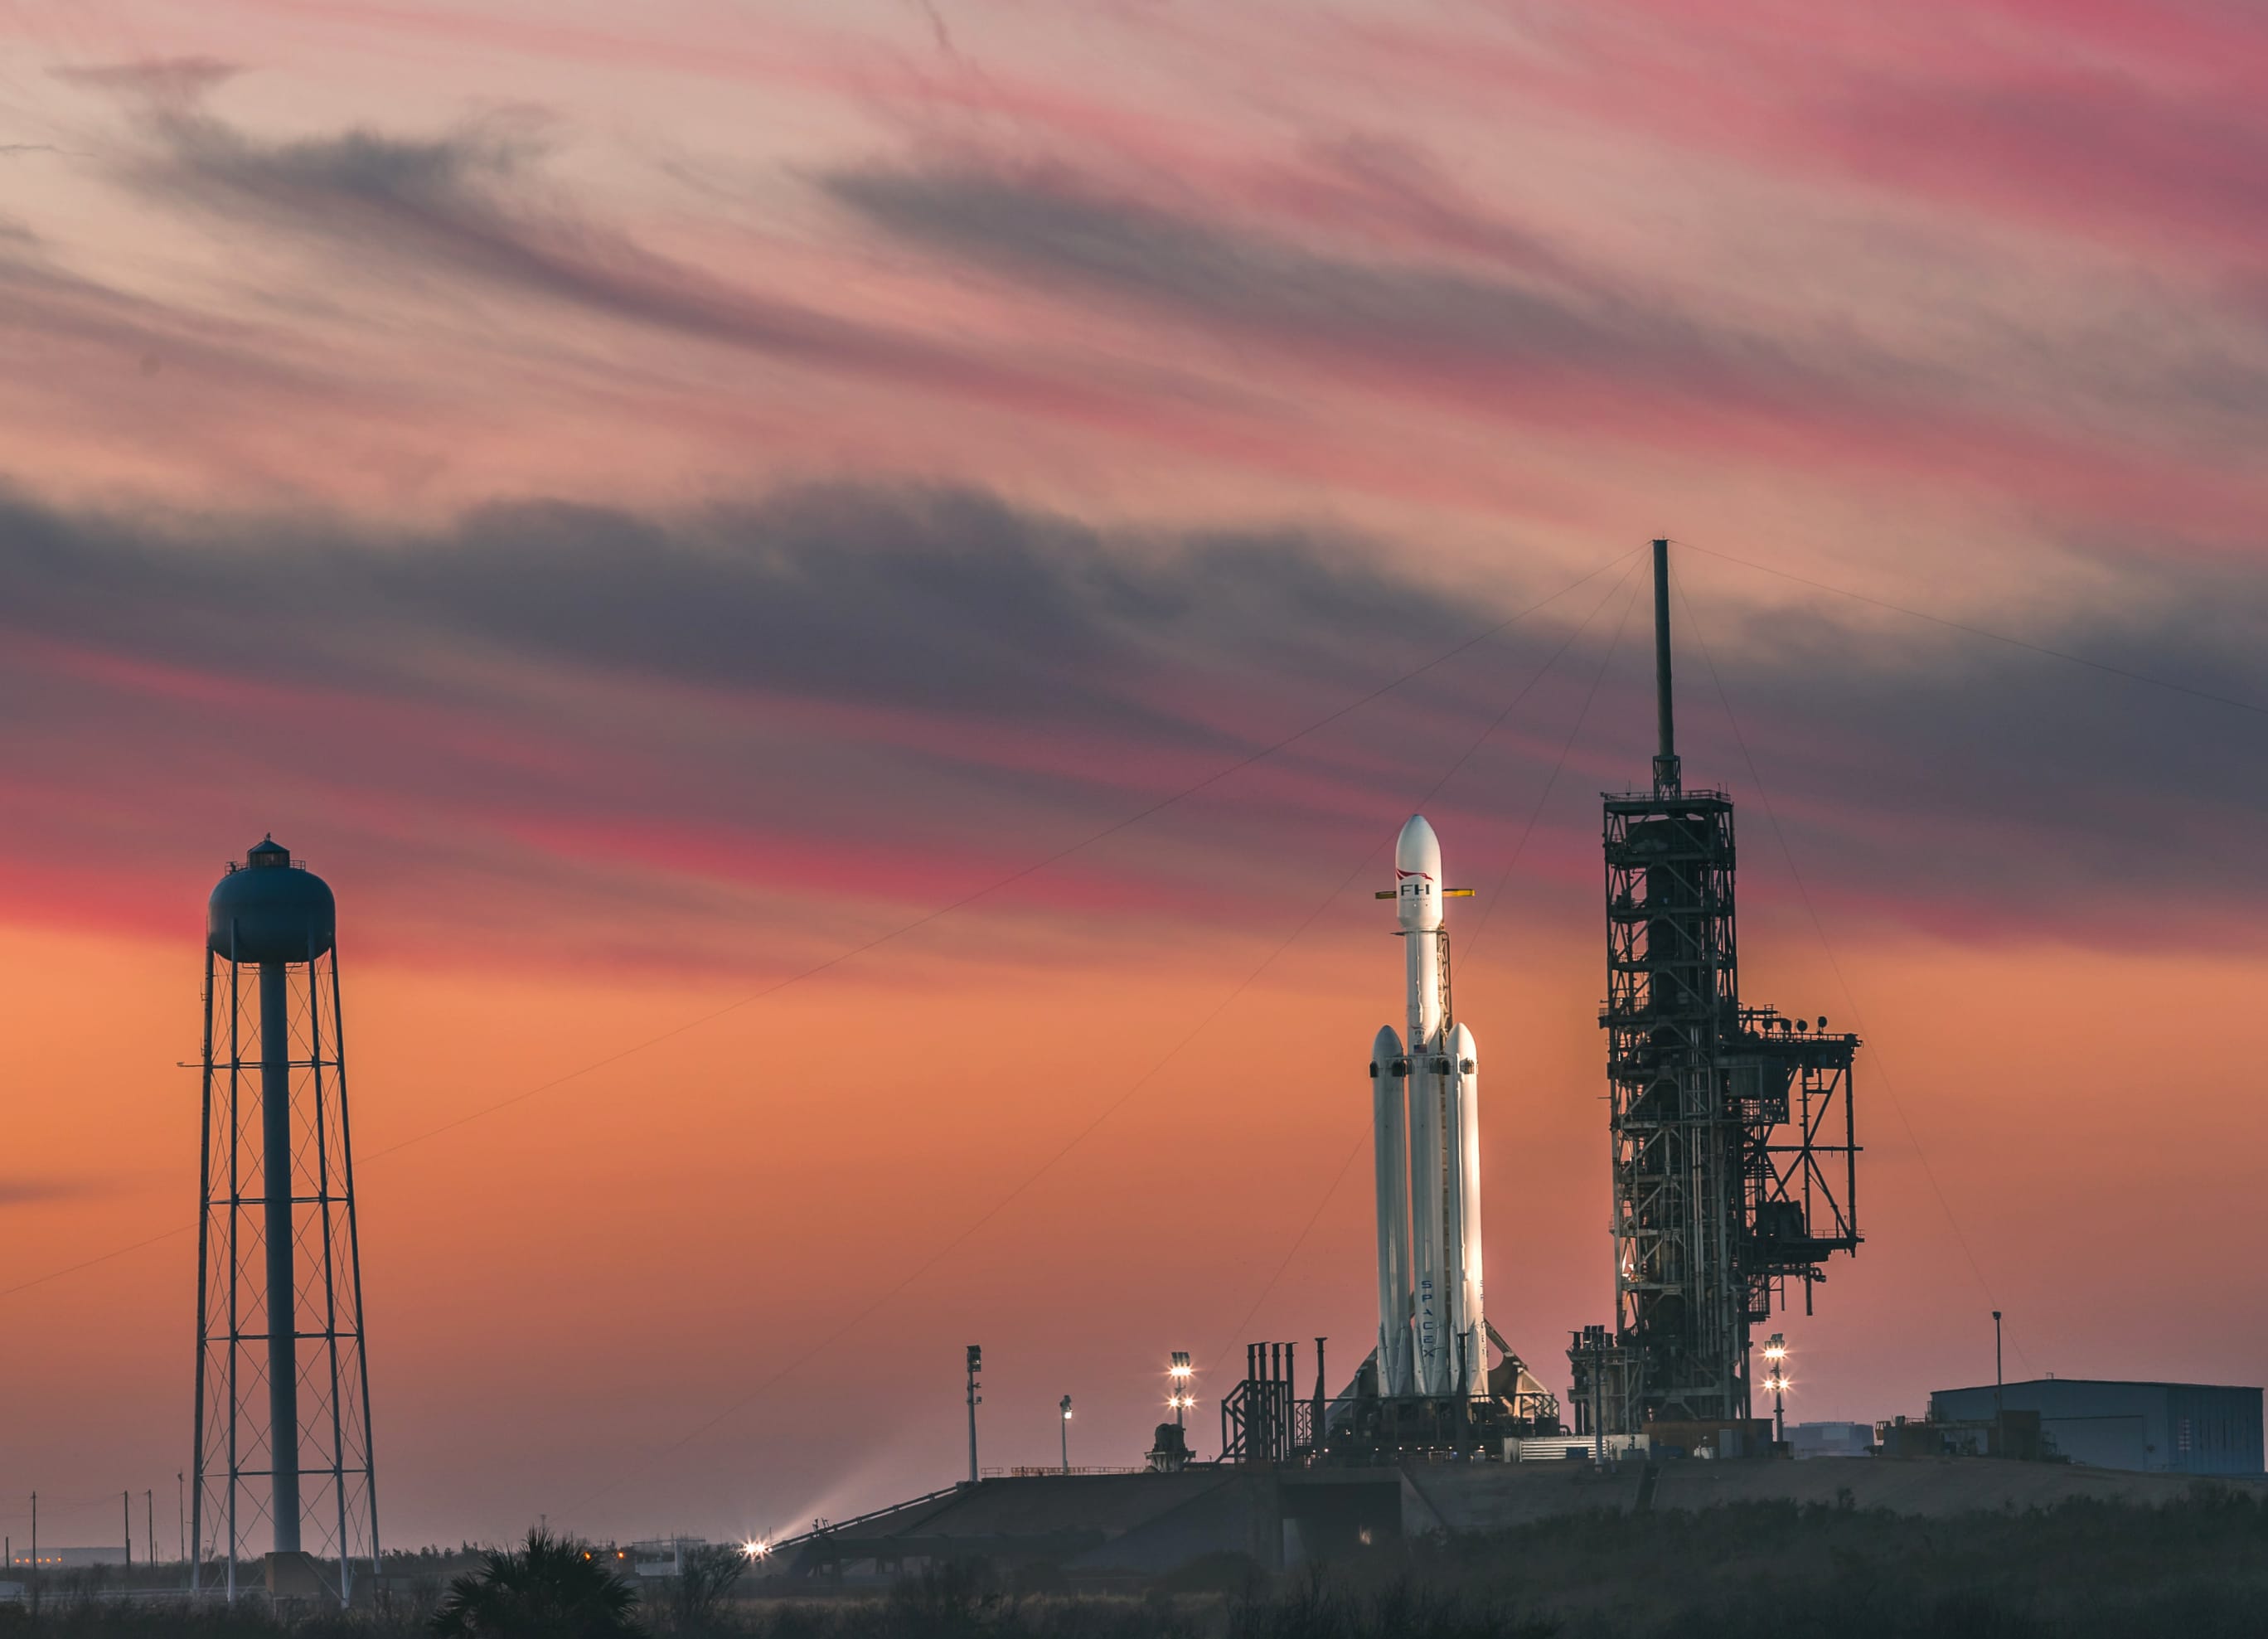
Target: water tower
[283,1407]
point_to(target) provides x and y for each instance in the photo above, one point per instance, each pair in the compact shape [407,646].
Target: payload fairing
[1426,1109]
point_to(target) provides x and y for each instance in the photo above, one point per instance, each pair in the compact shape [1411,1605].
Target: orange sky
[645,505]
[569,1287]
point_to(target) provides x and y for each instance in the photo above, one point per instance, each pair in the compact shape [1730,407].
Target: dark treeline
[2198,1568]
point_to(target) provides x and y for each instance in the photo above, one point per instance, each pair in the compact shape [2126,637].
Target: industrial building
[2147,1428]
[1830,1439]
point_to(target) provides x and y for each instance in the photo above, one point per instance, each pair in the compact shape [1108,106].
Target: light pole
[1999,1412]
[1066,1434]
[1776,1380]
[1177,1391]
[975,1365]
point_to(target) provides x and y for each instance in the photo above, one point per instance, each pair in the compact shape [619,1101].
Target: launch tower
[1735,1162]
[282,1402]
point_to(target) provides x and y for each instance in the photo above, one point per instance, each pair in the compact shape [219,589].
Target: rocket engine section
[1425,1110]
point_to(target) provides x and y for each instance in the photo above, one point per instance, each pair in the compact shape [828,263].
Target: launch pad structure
[1733,1155]
[1733,1163]
[1733,1175]
[1733,1167]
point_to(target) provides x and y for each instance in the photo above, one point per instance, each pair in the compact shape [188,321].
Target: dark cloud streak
[943,601]
[1055,229]
[163,81]
[954,658]
[469,206]
[1538,340]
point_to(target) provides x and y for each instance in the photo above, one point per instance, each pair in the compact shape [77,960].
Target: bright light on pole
[1776,1380]
[756,1550]
[1066,1434]
[1178,1395]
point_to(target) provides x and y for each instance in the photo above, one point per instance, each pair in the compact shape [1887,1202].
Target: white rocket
[1426,1110]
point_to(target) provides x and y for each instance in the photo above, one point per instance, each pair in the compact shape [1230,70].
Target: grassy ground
[2197,1568]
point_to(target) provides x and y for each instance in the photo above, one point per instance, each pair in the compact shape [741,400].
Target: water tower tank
[267,909]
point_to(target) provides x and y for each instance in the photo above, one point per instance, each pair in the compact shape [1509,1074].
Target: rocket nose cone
[1417,848]
[1418,874]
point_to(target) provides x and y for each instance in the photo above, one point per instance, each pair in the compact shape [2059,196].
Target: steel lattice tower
[1733,1160]
[283,1398]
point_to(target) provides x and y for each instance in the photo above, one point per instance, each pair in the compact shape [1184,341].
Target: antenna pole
[975,1365]
[1666,781]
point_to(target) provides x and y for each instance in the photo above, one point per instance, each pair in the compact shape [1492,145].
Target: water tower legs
[283,1292]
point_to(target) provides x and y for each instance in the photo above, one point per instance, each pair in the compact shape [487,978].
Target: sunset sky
[719,528]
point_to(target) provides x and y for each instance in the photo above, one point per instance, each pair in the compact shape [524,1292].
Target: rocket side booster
[1472,1333]
[1430,1312]
[1390,1126]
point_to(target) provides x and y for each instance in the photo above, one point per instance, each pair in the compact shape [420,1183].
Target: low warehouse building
[1830,1439]
[2149,1427]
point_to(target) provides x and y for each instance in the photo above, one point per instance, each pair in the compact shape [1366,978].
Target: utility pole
[2000,1414]
[975,1365]
[1066,1434]
[35,1553]
[126,1508]
[181,1501]
[149,1526]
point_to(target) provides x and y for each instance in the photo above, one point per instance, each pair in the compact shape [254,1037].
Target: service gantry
[1735,1160]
